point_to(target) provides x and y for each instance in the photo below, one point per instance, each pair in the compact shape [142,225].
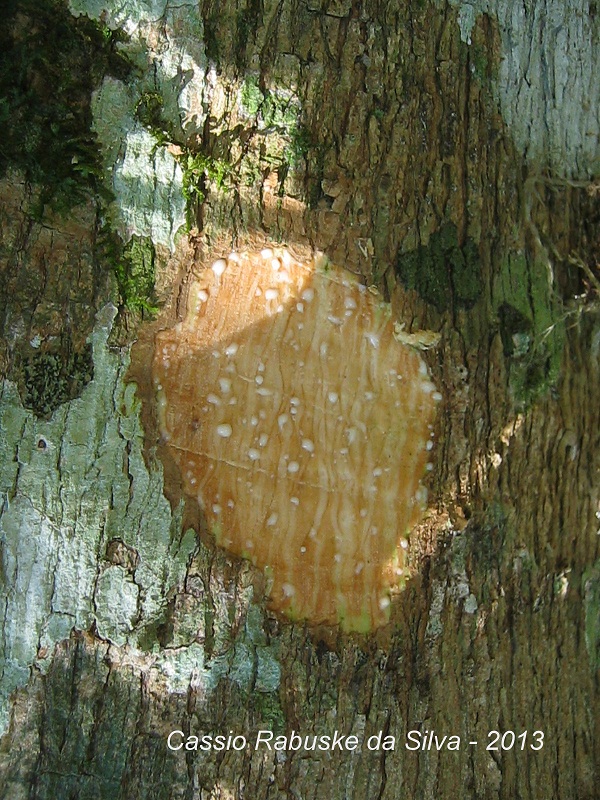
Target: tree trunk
[443,152]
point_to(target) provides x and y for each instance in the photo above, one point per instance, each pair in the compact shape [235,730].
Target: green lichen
[531,326]
[205,166]
[252,97]
[278,109]
[266,709]
[250,170]
[483,67]
[477,59]
[301,141]
[273,107]
[444,273]
[50,62]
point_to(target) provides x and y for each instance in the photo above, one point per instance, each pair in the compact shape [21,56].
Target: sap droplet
[219,267]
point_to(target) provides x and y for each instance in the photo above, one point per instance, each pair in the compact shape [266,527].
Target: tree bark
[415,158]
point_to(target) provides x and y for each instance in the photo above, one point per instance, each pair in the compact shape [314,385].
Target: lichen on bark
[74,485]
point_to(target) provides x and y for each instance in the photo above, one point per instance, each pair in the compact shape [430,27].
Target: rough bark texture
[119,625]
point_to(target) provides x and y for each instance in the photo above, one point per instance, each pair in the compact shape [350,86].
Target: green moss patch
[135,274]
[133,265]
[50,62]
[200,169]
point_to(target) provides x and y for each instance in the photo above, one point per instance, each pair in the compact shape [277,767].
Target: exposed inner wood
[303,427]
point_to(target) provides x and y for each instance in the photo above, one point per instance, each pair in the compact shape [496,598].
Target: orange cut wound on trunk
[303,429]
